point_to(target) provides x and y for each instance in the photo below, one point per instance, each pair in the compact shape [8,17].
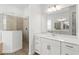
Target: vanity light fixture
[66,22]
[54,8]
[58,7]
[49,10]
[62,19]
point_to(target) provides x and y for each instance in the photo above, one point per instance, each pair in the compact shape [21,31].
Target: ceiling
[44,7]
[21,6]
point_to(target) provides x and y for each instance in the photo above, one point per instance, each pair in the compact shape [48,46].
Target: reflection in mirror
[62,21]
[62,24]
[49,25]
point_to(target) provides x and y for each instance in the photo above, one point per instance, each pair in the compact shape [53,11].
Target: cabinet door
[37,44]
[69,49]
[50,47]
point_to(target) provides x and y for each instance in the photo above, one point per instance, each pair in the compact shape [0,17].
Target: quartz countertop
[59,37]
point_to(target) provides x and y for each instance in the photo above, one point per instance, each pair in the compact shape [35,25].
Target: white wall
[11,10]
[34,24]
[43,18]
[77,21]
[44,23]
[26,11]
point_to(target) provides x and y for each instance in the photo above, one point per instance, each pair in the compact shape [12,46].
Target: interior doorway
[26,34]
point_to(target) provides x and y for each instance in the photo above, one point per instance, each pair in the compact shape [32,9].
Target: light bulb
[64,19]
[49,10]
[58,7]
[53,8]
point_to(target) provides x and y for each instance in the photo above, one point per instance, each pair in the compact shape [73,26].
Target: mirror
[62,21]
[61,24]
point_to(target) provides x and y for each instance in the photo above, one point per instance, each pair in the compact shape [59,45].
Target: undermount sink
[53,34]
[49,34]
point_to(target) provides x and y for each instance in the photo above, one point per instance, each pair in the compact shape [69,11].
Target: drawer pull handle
[48,47]
[36,50]
[66,54]
[69,46]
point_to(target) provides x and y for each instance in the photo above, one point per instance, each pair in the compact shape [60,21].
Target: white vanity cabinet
[69,49]
[56,45]
[50,47]
[37,44]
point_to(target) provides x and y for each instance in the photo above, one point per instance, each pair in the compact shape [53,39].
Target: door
[50,47]
[26,29]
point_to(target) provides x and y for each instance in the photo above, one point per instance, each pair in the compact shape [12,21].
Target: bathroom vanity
[56,44]
[61,36]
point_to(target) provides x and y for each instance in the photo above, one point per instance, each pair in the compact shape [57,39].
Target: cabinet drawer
[69,49]
[37,38]
[37,45]
[50,47]
[37,41]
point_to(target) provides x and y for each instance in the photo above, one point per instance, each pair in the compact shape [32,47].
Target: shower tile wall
[1,22]
[19,23]
[11,23]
